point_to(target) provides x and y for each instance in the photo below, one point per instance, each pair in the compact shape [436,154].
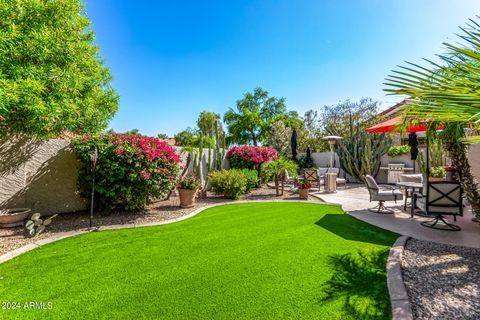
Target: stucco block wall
[39,174]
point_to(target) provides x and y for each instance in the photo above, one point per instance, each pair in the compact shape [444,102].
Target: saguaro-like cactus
[360,153]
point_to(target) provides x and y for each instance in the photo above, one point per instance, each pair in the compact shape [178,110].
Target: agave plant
[36,225]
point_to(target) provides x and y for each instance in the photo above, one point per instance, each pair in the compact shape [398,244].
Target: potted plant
[451,173]
[13,217]
[303,188]
[187,188]
[437,174]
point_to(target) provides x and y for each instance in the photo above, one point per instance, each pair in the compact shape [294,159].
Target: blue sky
[172,59]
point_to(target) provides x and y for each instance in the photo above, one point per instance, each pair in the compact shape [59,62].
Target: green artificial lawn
[242,261]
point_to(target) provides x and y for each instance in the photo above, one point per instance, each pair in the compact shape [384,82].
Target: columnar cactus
[360,153]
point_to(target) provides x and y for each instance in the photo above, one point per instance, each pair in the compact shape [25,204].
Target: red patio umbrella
[394,125]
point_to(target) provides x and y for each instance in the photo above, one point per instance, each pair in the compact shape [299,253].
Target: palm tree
[277,169]
[448,92]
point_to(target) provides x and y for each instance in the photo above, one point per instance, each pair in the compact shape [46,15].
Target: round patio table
[408,185]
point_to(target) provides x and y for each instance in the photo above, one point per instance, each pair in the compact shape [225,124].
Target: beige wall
[39,174]
[42,175]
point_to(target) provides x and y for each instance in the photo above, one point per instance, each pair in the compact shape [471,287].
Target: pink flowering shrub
[131,170]
[250,157]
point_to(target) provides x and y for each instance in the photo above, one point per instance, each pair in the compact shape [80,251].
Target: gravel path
[442,281]
[12,238]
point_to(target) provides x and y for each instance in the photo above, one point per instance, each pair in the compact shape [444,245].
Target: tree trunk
[259,171]
[189,160]
[458,154]
[277,189]
[254,139]
[283,183]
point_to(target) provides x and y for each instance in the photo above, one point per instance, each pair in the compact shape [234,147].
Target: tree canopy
[52,77]
[254,115]
[207,121]
[338,119]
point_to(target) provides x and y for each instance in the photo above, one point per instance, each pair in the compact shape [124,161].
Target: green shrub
[252,179]
[395,151]
[438,172]
[131,170]
[231,183]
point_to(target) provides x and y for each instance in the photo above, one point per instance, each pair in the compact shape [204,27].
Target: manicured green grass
[242,261]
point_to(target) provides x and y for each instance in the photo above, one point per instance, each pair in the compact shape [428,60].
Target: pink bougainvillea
[250,157]
[131,169]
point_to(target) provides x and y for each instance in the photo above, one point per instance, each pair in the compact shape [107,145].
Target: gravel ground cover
[442,281]
[12,238]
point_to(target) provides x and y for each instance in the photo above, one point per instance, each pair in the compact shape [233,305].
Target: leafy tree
[339,118]
[52,77]
[447,92]
[191,138]
[206,122]
[279,137]
[255,114]
[133,131]
[310,133]
[162,136]
[185,138]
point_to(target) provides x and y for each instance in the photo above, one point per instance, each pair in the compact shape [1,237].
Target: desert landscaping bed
[442,281]
[13,238]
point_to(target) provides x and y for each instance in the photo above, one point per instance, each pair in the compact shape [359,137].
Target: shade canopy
[394,125]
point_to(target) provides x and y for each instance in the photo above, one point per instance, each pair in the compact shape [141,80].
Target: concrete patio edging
[401,308]
[36,244]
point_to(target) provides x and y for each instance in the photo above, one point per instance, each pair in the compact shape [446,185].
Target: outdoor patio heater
[331,178]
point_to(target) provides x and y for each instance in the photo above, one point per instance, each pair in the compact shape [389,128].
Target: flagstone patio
[355,200]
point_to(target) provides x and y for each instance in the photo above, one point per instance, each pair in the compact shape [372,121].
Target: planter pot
[451,176]
[187,198]
[13,217]
[435,179]
[303,193]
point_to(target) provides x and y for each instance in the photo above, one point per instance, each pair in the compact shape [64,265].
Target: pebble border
[401,308]
[15,253]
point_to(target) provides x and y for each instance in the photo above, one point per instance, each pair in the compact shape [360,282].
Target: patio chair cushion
[388,195]
[341,180]
[411,178]
[371,183]
[322,171]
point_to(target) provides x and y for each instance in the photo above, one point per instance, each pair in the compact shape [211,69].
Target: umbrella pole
[427,165]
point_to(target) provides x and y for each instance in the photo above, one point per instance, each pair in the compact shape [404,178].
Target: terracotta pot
[187,198]
[13,217]
[303,193]
[433,179]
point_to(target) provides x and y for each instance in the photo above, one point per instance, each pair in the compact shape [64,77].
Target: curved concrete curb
[401,308]
[15,253]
